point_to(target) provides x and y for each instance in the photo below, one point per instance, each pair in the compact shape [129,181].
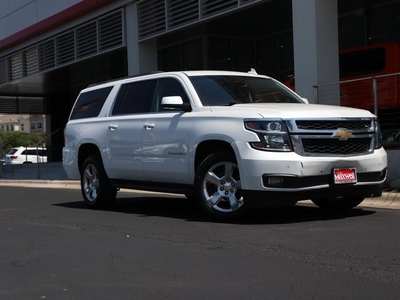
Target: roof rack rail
[125,77]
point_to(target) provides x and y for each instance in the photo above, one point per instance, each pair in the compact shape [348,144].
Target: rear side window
[89,104]
[34,152]
[135,97]
[12,151]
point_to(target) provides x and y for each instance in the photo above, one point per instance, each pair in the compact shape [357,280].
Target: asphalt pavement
[390,198]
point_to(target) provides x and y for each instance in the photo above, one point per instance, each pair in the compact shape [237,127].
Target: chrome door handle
[113,126]
[149,126]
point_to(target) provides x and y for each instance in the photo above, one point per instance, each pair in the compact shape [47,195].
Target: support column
[142,57]
[315,38]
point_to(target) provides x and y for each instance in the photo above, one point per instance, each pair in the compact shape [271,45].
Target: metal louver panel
[15,66]
[155,17]
[65,48]
[110,31]
[22,105]
[46,55]
[246,1]
[86,40]
[31,105]
[30,61]
[8,105]
[212,7]
[94,37]
[181,12]
[151,17]
[3,71]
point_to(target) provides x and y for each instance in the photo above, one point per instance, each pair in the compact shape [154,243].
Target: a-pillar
[142,56]
[315,37]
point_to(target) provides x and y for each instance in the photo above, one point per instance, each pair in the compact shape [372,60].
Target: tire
[338,203]
[95,185]
[218,187]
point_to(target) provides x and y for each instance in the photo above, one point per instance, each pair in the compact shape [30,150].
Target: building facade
[50,50]
[23,123]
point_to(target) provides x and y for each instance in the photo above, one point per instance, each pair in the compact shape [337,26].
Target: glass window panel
[242,55]
[220,54]
[286,58]
[267,54]
[351,31]
[192,53]
[168,87]
[135,97]
[384,24]
[172,58]
[346,6]
[88,104]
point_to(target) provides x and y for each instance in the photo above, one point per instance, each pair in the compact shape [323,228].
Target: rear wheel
[95,185]
[338,203]
[218,186]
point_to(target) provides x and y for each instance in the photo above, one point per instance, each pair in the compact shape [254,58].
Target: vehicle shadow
[182,208]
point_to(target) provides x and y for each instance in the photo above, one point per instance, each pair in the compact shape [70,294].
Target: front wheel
[95,185]
[218,186]
[338,203]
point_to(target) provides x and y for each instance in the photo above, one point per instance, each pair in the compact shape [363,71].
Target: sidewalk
[388,200]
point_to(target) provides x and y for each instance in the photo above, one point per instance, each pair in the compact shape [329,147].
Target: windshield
[228,90]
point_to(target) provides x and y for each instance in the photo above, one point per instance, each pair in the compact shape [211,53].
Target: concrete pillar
[142,57]
[315,38]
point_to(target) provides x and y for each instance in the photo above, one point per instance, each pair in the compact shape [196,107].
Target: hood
[291,110]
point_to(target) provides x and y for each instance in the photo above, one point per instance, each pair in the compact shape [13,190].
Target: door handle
[113,126]
[149,126]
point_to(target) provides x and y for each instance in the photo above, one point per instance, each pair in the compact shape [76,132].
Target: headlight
[378,135]
[273,135]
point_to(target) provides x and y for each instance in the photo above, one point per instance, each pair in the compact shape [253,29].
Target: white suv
[227,139]
[25,155]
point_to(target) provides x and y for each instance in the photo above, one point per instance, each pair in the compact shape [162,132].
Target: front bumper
[271,198]
[308,175]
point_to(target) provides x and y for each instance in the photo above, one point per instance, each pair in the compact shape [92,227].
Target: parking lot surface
[154,246]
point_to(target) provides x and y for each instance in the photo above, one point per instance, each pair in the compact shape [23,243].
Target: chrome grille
[333,125]
[332,137]
[335,146]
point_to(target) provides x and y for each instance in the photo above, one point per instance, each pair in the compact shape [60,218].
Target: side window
[167,87]
[134,98]
[32,152]
[89,104]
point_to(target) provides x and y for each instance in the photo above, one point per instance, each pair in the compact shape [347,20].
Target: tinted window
[134,97]
[33,152]
[362,62]
[12,151]
[228,90]
[90,103]
[168,87]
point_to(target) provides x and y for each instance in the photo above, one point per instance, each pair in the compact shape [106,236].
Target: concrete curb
[60,184]
[388,200]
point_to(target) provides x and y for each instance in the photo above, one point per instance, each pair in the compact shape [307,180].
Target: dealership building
[50,50]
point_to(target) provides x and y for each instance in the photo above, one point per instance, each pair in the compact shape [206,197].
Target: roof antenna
[252,71]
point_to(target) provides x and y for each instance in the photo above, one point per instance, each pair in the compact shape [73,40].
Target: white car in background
[25,155]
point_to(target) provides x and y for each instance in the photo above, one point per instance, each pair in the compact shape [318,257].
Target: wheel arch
[86,150]
[205,148]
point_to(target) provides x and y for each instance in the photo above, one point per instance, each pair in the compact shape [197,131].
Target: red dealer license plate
[345,175]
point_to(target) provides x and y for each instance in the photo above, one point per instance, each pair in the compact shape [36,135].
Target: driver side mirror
[174,102]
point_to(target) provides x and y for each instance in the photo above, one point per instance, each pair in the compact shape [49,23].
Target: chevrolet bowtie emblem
[343,134]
